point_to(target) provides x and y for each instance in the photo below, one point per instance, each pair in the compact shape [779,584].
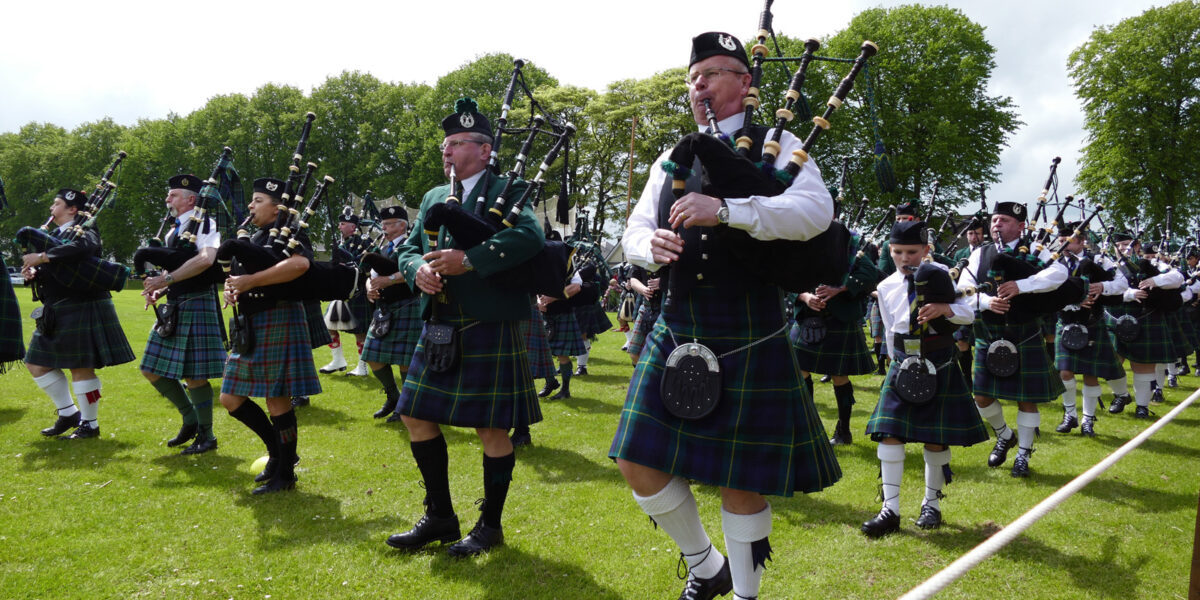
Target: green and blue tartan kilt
[397,347]
[874,319]
[593,321]
[950,418]
[645,322]
[281,362]
[1155,342]
[1035,380]
[765,434]
[533,330]
[563,335]
[1047,327]
[842,352]
[12,340]
[1179,339]
[196,351]
[1098,358]
[318,334]
[1188,325]
[87,335]
[490,386]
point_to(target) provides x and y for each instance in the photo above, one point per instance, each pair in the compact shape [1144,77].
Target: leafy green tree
[1139,82]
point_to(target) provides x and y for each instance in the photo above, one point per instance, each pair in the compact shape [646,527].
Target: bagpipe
[182,246]
[1137,270]
[90,274]
[727,171]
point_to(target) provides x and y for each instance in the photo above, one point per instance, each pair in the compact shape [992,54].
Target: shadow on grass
[54,453]
[208,469]
[506,570]
[9,416]
[584,404]
[285,519]
[1142,499]
[555,465]
[319,416]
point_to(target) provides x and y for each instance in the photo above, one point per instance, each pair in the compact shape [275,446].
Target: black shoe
[884,523]
[826,378]
[551,385]
[298,401]
[1184,369]
[277,483]
[882,370]
[563,393]
[521,439]
[1142,412]
[1000,451]
[428,529]
[1157,396]
[269,470]
[481,539]
[841,436]
[83,432]
[581,370]
[707,589]
[187,432]
[394,418]
[1087,428]
[1172,381]
[1069,422]
[931,518]
[61,425]
[201,446]
[1119,403]
[389,405]
[1020,466]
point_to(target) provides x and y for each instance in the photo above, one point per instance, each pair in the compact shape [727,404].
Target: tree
[1139,82]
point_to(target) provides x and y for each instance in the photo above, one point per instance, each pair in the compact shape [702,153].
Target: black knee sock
[385,376]
[878,347]
[497,473]
[252,416]
[808,384]
[964,364]
[845,401]
[285,428]
[564,369]
[201,399]
[434,463]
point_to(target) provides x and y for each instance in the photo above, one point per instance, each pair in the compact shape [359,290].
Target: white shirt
[1169,278]
[1118,285]
[1043,281]
[212,239]
[893,306]
[802,211]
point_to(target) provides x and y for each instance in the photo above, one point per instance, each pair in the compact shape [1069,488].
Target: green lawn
[123,516]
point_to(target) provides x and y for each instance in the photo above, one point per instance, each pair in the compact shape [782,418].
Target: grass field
[125,517]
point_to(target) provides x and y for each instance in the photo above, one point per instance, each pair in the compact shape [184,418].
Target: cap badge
[727,42]
[466,120]
[272,186]
[184,182]
[70,196]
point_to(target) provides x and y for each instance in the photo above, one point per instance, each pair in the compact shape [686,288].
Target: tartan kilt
[1034,381]
[874,319]
[281,362]
[12,340]
[950,418]
[362,309]
[196,351]
[1098,358]
[87,335]
[318,333]
[397,347]
[490,387]
[1175,323]
[533,329]
[1188,325]
[765,434]
[842,352]
[1154,343]
[645,322]
[564,335]
[592,320]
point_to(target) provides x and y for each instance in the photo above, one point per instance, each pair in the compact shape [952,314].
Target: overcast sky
[73,62]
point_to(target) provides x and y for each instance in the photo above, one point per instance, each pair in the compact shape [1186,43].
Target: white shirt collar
[728,125]
[469,184]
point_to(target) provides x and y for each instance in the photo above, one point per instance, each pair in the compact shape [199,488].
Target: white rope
[990,546]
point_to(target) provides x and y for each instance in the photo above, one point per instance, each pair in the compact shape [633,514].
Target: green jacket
[506,249]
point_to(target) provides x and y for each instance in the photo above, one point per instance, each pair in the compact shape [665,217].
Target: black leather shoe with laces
[1142,412]
[481,539]
[1069,422]
[841,436]
[61,425]
[1020,466]
[389,405]
[298,401]
[1000,451]
[521,438]
[186,433]
[581,370]
[1119,403]
[269,470]
[429,528]
[551,385]
[697,588]
[931,518]
[201,446]
[84,431]
[884,523]
[1157,396]
[277,483]
[1088,427]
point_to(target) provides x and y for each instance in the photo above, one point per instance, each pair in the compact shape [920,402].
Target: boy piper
[938,411]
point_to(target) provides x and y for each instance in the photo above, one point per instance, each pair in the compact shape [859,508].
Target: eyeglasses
[457,143]
[711,75]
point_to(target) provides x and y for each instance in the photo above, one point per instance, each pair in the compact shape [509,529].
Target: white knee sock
[1141,388]
[1068,397]
[1091,398]
[674,509]
[1173,368]
[1160,375]
[1119,386]
[741,531]
[891,471]
[935,477]
[582,358]
[994,415]
[88,391]
[55,385]
[628,336]
[1027,424]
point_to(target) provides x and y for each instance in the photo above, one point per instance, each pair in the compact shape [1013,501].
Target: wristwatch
[169,278]
[466,263]
[723,214]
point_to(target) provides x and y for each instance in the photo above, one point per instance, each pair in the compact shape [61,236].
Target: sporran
[691,384]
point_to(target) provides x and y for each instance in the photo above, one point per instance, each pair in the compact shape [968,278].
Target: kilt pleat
[593,321]
[646,317]
[397,347]
[87,334]
[950,418]
[564,337]
[490,387]
[533,329]
[1098,358]
[842,352]
[1035,381]
[1179,338]
[765,434]
[280,363]
[1154,343]
[318,333]
[196,351]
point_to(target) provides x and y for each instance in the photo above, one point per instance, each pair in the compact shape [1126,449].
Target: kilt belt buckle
[1002,358]
[1126,328]
[691,384]
[813,330]
[915,379]
[1075,336]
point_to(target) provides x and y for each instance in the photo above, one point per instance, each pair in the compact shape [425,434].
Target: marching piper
[349,251]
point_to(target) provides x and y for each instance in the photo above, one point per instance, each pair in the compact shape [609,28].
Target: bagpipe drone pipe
[89,274]
[749,170]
